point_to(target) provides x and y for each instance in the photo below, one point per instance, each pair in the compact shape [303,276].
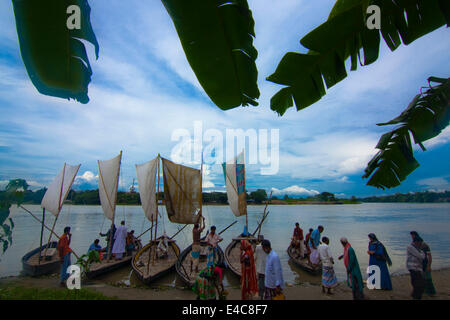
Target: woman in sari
[207,282]
[249,283]
[354,278]
[429,286]
[379,257]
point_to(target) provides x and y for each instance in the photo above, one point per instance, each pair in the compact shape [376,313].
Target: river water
[391,222]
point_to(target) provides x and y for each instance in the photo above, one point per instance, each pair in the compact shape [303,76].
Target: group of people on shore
[122,243]
[418,261]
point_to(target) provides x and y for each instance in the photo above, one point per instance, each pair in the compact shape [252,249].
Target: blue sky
[143,90]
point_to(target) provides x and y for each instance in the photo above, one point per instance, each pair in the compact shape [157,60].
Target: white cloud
[435,184]
[86,177]
[294,190]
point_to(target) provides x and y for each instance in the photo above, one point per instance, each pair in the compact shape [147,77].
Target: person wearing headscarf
[415,261]
[354,278]
[329,279]
[207,282]
[260,266]
[429,286]
[379,257]
[249,284]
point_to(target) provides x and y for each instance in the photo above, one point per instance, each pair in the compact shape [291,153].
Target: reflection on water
[390,222]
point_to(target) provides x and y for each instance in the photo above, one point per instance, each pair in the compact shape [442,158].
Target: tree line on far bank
[91,197]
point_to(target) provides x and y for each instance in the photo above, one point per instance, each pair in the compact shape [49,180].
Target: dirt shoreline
[305,291]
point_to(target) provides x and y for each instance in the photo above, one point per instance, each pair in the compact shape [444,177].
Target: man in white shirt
[213,239]
[260,263]
[329,279]
[273,281]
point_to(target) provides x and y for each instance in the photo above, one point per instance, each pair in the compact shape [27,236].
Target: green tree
[259,195]
[14,193]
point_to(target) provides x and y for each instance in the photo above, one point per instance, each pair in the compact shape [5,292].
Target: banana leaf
[217,39]
[424,118]
[343,36]
[55,58]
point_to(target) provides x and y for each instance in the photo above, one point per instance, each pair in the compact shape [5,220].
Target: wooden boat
[48,264]
[183,264]
[105,266]
[233,253]
[303,263]
[148,272]
[44,259]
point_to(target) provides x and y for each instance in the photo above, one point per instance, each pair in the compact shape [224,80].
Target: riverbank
[305,291]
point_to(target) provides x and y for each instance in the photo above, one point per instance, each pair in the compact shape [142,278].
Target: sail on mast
[234,172]
[108,182]
[182,192]
[146,175]
[58,190]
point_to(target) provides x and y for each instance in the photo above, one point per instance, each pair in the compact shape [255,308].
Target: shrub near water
[21,293]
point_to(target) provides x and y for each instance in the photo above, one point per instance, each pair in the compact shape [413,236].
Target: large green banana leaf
[217,38]
[343,35]
[425,117]
[56,61]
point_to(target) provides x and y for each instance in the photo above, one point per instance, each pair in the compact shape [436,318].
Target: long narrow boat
[48,265]
[233,253]
[106,266]
[44,259]
[108,182]
[303,263]
[148,272]
[183,265]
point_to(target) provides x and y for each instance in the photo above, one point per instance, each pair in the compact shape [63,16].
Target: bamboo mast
[42,234]
[245,192]
[157,210]
[114,209]
[59,209]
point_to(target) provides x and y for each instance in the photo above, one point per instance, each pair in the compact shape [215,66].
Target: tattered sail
[59,189]
[234,173]
[182,192]
[146,174]
[108,181]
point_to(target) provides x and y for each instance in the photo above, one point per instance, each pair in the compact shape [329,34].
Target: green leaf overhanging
[55,58]
[217,39]
[425,117]
[343,36]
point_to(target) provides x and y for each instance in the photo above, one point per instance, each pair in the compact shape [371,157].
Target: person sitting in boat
[212,239]
[297,241]
[132,242]
[95,251]
[162,250]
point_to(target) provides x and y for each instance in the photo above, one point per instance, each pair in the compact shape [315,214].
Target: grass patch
[22,293]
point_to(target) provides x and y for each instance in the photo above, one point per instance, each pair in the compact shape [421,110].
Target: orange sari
[249,283]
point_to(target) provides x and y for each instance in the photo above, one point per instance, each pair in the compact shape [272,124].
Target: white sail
[108,181]
[59,189]
[182,192]
[146,175]
[234,172]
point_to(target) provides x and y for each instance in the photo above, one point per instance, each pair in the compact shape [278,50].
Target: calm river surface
[391,222]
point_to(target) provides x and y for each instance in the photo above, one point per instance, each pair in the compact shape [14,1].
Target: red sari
[249,283]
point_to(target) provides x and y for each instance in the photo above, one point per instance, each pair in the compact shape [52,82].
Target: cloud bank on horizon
[143,89]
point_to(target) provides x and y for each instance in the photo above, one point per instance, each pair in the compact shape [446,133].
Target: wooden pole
[226,228]
[178,232]
[264,215]
[157,211]
[42,234]
[59,208]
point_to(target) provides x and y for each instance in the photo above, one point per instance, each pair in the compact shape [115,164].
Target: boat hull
[302,263]
[46,267]
[165,270]
[232,254]
[189,280]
